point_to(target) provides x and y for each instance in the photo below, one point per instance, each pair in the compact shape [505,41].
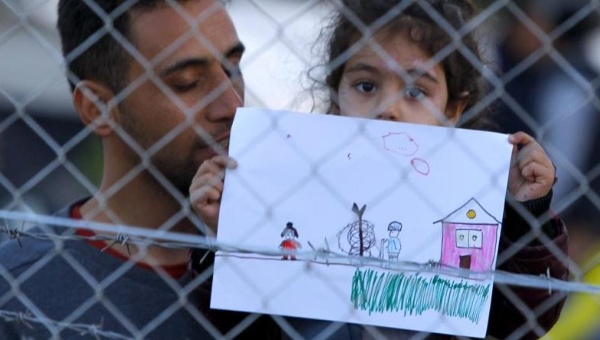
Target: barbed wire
[129,235]
[80,328]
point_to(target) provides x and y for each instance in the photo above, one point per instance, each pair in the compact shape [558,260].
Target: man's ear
[454,110]
[90,99]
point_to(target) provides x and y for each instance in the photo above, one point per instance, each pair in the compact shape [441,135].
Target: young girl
[420,63]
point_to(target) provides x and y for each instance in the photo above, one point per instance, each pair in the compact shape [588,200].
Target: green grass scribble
[392,292]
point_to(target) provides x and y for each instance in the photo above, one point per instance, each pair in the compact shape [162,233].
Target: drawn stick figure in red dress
[289,245]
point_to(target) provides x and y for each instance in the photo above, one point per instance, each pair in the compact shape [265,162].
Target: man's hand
[207,187]
[531,173]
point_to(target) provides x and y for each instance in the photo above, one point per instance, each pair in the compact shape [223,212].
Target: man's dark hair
[88,29]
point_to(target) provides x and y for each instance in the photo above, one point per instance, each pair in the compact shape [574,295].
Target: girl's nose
[389,115]
[391,108]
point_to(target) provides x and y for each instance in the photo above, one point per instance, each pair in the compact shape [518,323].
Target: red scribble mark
[401,143]
[420,166]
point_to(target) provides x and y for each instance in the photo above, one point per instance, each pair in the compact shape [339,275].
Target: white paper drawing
[374,195]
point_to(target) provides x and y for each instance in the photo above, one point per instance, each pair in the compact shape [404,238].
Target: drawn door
[465,261]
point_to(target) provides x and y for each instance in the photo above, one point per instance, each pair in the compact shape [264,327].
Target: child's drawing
[414,294]
[381,261]
[358,237]
[392,244]
[289,245]
[420,166]
[469,236]
[402,143]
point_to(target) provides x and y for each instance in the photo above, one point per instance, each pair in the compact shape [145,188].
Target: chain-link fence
[156,84]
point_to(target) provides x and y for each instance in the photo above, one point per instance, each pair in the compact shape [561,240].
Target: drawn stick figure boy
[289,245]
[393,243]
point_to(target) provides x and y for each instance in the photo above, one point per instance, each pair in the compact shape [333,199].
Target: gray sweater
[72,282]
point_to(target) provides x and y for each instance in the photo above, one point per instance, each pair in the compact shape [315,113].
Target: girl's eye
[414,92]
[365,86]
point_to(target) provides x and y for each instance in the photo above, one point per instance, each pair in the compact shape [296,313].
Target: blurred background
[546,54]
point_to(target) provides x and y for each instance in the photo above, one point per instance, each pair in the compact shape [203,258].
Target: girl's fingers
[207,187]
[532,172]
[212,170]
[537,156]
[520,138]
[535,172]
[205,184]
[224,161]
[207,178]
[205,196]
[216,164]
[526,150]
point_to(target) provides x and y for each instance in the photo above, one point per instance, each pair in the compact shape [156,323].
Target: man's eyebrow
[199,62]
[237,49]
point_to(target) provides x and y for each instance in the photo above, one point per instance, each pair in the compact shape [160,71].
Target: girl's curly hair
[440,27]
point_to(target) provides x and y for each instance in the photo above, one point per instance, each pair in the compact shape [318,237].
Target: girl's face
[400,86]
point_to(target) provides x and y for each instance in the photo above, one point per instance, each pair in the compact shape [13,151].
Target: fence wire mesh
[120,274]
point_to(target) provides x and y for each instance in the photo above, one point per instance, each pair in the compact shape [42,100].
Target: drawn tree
[358,237]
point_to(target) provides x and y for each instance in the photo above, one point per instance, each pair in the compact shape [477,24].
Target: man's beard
[174,173]
[179,175]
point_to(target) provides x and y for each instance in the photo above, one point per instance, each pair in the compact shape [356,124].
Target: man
[160,89]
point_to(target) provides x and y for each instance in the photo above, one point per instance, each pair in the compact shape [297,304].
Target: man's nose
[227,97]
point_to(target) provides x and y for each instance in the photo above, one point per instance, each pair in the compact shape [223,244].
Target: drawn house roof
[470,213]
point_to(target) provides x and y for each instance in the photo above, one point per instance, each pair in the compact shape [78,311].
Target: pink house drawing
[469,236]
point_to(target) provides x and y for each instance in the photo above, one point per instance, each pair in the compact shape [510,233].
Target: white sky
[278,35]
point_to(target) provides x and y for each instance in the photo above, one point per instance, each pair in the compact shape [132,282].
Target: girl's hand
[531,173]
[207,187]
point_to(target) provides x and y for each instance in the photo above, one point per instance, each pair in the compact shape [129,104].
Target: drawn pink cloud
[420,166]
[401,143]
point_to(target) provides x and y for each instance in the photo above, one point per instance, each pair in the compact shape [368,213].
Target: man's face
[183,116]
